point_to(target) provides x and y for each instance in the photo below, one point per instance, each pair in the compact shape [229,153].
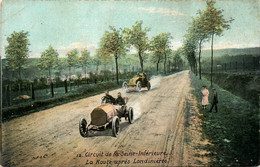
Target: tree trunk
[157,65]
[86,72]
[196,68]
[33,95]
[191,67]
[97,68]
[7,91]
[211,70]
[66,87]
[200,59]
[157,68]
[70,77]
[141,61]
[175,65]
[116,70]
[19,73]
[50,72]
[164,64]
[69,73]
[52,89]
[169,67]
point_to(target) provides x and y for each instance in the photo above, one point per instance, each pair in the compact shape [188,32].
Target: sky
[80,24]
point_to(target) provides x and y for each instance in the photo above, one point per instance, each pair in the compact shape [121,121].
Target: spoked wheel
[83,129]
[125,86]
[149,86]
[139,86]
[130,115]
[115,126]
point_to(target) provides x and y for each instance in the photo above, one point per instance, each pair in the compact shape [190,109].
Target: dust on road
[51,137]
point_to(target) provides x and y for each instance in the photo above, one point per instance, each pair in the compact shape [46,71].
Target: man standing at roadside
[214,100]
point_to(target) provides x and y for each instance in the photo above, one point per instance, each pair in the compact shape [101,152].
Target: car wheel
[83,129]
[115,126]
[149,86]
[139,86]
[130,115]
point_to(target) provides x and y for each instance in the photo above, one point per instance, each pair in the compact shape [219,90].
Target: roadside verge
[233,130]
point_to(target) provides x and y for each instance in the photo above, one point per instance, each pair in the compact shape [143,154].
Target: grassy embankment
[244,85]
[234,129]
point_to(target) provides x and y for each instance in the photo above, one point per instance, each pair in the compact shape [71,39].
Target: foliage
[214,24]
[156,58]
[17,50]
[111,44]
[84,60]
[137,37]
[204,26]
[96,60]
[72,57]
[189,49]
[198,33]
[213,20]
[177,60]
[62,64]
[160,46]
[198,29]
[49,59]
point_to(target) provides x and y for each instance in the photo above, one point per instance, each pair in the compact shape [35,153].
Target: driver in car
[120,101]
[108,98]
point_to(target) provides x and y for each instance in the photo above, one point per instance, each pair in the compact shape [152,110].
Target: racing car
[108,114]
[138,82]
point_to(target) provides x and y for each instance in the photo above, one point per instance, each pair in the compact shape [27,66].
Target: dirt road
[51,137]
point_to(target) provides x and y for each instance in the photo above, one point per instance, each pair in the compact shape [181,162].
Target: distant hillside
[233,52]
[29,62]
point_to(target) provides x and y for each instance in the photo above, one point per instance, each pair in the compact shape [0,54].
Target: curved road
[51,137]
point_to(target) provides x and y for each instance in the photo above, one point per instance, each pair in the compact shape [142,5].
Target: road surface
[51,137]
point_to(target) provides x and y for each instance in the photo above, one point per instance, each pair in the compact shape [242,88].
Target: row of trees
[49,60]
[17,52]
[204,27]
[114,43]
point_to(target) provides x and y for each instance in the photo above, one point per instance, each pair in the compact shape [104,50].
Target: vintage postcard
[130,83]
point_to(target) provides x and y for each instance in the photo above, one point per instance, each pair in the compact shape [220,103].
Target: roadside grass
[36,106]
[233,130]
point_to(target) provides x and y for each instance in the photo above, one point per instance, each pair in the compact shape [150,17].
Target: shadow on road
[108,132]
